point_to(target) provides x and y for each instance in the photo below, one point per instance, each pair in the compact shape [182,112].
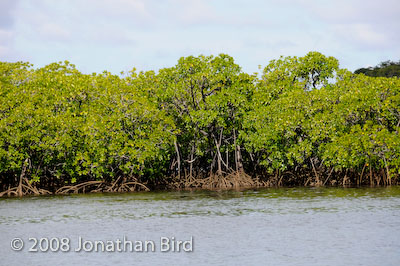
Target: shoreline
[233,182]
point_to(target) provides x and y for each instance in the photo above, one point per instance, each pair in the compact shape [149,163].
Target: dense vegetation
[385,69]
[202,123]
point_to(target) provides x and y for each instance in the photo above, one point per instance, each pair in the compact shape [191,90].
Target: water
[287,226]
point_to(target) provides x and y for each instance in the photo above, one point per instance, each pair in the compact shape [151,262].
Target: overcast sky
[117,35]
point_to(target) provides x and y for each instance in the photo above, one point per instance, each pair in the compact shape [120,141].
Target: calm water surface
[288,226]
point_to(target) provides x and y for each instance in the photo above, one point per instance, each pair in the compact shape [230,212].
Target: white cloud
[5,35]
[4,50]
[194,11]
[53,31]
[355,11]
[364,24]
[135,9]
[6,41]
[119,34]
[363,35]
[7,8]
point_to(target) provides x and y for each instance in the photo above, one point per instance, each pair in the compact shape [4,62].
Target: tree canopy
[384,69]
[304,121]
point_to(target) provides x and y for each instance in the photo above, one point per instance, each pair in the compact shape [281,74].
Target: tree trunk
[238,155]
[21,177]
[191,161]
[178,159]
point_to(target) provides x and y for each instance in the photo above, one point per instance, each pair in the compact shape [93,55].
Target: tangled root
[235,180]
[120,185]
[24,188]
[101,186]
[82,187]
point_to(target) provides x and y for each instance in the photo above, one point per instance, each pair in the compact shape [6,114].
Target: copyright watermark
[17,244]
[65,244]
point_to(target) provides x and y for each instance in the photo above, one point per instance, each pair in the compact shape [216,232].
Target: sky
[118,35]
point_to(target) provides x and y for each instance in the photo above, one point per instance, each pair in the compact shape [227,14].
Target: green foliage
[346,125]
[207,98]
[200,117]
[385,69]
[77,127]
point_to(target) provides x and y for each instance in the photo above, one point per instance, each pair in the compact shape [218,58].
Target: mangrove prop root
[213,181]
[102,186]
[76,188]
[120,185]
[24,188]
[234,180]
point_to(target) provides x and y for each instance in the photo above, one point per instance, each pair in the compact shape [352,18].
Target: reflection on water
[285,226]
